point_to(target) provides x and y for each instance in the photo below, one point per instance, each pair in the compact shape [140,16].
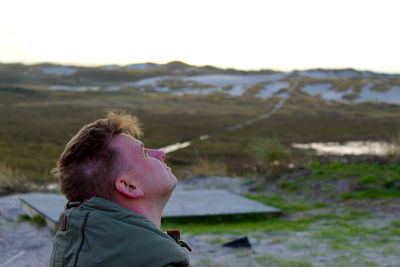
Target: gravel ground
[22,244]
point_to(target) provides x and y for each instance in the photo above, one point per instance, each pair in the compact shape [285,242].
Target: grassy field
[36,124]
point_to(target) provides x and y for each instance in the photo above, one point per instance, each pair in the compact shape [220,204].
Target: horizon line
[95,65]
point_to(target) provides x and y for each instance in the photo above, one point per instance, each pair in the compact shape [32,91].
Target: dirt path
[178,146]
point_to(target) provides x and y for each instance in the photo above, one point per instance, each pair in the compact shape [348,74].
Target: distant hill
[52,74]
[176,77]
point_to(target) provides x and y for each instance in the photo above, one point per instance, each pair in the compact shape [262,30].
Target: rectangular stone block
[183,203]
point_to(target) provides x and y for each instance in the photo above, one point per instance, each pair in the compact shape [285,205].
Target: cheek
[151,167]
[143,165]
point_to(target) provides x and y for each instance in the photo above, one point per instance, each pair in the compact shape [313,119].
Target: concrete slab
[183,203]
[206,202]
[47,205]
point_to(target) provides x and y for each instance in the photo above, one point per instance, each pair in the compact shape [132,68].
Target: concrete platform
[183,203]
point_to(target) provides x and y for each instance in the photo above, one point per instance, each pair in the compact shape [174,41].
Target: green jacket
[103,233]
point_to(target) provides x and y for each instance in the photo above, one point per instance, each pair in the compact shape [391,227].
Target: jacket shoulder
[121,243]
[69,238]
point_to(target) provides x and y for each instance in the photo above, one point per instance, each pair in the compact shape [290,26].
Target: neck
[154,215]
[149,210]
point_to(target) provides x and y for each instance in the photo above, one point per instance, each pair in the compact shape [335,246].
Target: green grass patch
[367,173]
[240,225]
[246,224]
[371,193]
[300,245]
[36,220]
[217,240]
[367,180]
[286,205]
[270,260]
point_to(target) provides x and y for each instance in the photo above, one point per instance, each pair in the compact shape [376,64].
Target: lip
[166,167]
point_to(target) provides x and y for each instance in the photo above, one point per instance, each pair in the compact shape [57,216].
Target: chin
[175,182]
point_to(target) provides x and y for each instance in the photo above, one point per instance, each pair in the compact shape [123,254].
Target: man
[117,190]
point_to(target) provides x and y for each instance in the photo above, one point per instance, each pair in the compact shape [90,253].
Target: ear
[127,188]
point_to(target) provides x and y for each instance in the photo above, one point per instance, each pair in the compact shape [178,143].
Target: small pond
[350,148]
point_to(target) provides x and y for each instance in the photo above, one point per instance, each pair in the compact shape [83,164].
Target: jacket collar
[116,211]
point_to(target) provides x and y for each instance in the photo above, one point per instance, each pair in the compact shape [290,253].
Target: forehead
[127,143]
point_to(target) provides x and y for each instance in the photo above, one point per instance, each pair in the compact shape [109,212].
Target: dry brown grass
[205,167]
[12,181]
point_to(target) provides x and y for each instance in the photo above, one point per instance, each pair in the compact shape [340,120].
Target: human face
[146,166]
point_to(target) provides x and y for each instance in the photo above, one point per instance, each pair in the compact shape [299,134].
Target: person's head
[105,160]
[143,173]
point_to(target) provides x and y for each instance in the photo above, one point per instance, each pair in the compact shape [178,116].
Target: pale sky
[276,34]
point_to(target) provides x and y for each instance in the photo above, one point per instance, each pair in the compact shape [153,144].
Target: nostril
[162,155]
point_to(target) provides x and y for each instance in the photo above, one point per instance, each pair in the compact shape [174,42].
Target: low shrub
[270,153]
[205,167]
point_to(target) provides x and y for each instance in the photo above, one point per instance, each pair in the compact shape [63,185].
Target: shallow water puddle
[350,148]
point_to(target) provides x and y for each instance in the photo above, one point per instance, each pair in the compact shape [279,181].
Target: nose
[158,154]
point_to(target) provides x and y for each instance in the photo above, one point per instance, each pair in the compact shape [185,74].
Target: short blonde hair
[87,167]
